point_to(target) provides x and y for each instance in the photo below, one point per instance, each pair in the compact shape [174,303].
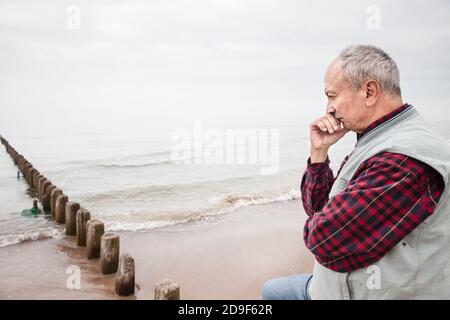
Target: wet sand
[226,257]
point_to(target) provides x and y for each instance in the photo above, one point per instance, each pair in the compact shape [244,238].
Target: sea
[132,181]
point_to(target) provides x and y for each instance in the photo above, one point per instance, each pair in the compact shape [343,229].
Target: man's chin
[347,126]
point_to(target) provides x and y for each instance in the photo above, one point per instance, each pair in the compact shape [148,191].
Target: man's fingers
[334,122]
[319,124]
[322,126]
[328,124]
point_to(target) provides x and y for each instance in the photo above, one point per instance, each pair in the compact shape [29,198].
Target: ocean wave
[139,226]
[118,165]
[248,200]
[225,204]
[32,235]
[133,165]
[129,161]
[137,193]
[220,206]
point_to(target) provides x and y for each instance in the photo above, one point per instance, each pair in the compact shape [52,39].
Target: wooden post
[27,173]
[33,179]
[44,184]
[20,165]
[35,204]
[125,276]
[53,196]
[46,198]
[109,253]
[71,218]
[40,181]
[83,216]
[167,290]
[60,208]
[18,175]
[19,161]
[94,231]
[37,174]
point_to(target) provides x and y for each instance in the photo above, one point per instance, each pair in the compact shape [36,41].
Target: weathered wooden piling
[89,233]
[20,161]
[60,208]
[109,253]
[33,175]
[46,197]
[94,231]
[36,173]
[23,162]
[27,173]
[167,290]
[83,216]
[40,180]
[125,276]
[53,196]
[71,218]
[44,184]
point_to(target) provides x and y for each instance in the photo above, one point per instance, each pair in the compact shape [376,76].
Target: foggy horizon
[134,66]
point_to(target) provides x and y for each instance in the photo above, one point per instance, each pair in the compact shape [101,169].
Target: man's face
[348,103]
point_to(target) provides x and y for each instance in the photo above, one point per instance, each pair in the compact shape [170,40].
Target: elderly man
[381,228]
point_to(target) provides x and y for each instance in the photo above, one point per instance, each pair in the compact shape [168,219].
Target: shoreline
[227,257]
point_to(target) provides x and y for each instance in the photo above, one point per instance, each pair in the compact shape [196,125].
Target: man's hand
[324,132]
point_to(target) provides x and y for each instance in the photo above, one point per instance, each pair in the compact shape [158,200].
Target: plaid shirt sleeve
[316,185]
[389,195]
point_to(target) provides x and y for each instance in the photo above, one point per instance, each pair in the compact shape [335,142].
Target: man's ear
[372,91]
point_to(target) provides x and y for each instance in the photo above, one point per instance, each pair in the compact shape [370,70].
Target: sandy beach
[225,257]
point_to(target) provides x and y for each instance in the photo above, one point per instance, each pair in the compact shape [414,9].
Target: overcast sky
[148,64]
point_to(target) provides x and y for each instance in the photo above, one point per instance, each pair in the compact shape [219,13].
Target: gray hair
[363,62]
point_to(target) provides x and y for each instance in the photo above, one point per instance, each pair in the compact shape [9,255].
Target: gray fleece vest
[419,266]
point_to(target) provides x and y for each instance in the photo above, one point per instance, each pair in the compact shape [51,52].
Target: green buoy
[33,212]
[30,212]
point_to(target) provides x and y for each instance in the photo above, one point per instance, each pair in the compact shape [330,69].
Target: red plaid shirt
[396,192]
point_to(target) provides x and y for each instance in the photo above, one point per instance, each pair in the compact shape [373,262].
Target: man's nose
[331,109]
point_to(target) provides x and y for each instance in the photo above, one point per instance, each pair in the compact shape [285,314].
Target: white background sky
[249,63]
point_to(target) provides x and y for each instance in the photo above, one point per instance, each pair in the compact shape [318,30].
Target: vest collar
[404,112]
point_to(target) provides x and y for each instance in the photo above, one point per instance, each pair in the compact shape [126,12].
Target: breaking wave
[33,235]
[225,204]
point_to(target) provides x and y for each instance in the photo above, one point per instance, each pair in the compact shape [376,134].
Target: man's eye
[331,97]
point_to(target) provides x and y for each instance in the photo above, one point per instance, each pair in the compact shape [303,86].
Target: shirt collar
[382,120]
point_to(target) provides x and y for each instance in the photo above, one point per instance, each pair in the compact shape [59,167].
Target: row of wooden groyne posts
[89,233]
